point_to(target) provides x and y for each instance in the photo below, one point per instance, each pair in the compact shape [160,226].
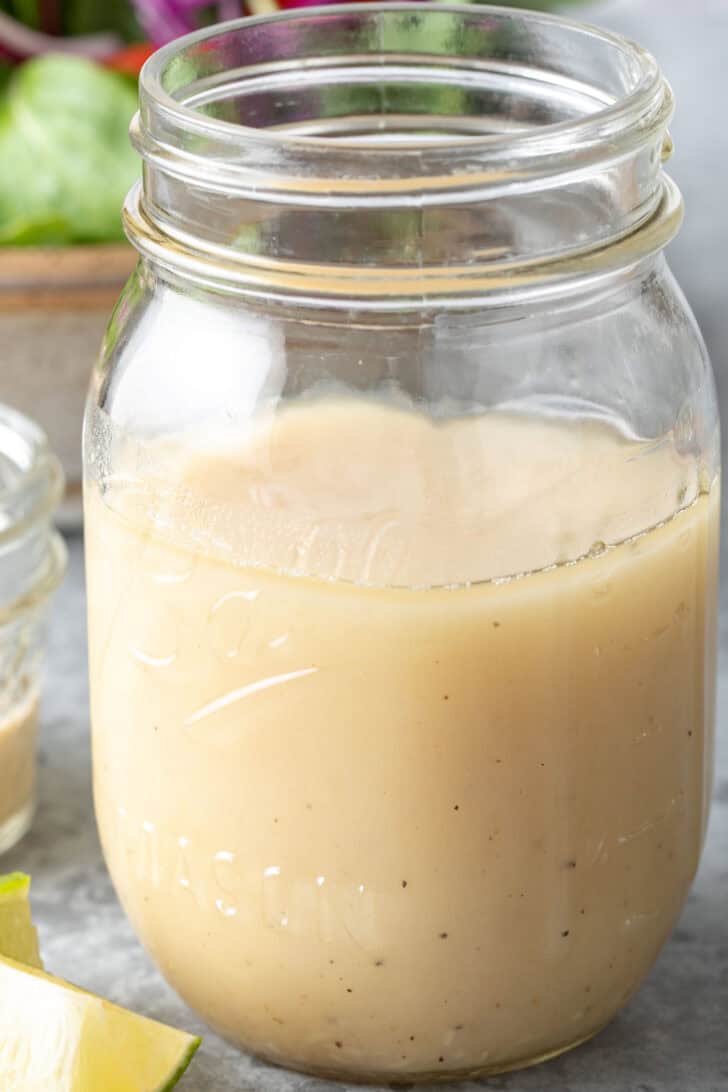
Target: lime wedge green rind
[184,1065]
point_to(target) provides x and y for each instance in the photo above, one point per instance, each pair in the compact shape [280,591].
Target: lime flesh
[18,937]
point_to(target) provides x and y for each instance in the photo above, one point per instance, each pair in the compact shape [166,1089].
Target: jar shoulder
[172,359]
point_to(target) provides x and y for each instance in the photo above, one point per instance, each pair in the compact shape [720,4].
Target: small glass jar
[32,563]
[402,467]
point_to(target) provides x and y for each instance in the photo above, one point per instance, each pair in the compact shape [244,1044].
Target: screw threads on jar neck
[401,151]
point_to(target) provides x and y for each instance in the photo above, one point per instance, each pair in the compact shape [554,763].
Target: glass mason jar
[32,564]
[402,522]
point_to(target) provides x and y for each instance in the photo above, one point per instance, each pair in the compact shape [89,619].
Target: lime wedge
[57,1038]
[18,938]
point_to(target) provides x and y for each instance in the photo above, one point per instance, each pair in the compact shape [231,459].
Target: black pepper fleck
[441,1059]
[404,883]
[412,1038]
[443,936]
[496,625]
[349,989]
[456,807]
[446,697]
[565,933]
[459,1027]
[339,1043]
[379,963]
[570,864]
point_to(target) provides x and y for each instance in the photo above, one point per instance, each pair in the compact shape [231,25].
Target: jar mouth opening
[230,82]
[403,138]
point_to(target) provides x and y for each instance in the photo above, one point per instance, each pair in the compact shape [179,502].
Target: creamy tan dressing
[376,801]
[18,730]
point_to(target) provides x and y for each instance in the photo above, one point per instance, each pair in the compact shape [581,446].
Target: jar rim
[649,101]
[235,196]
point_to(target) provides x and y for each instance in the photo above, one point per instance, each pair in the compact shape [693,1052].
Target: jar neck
[402,152]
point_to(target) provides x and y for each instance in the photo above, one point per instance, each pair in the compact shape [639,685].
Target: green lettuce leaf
[28,11]
[65,158]
[90,17]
